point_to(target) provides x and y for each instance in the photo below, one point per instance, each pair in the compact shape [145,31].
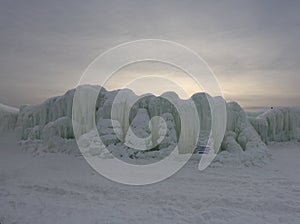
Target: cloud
[253,46]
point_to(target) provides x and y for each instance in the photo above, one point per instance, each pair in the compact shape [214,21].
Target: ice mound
[33,119]
[8,118]
[241,145]
[152,122]
[47,127]
[279,124]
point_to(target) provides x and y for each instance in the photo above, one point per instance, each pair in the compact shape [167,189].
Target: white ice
[49,124]
[8,118]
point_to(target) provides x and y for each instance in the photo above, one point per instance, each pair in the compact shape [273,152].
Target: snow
[59,188]
[8,118]
[248,182]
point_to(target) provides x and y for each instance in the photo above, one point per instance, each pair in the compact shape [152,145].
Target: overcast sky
[252,46]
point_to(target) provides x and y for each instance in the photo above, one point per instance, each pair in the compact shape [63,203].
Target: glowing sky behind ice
[253,46]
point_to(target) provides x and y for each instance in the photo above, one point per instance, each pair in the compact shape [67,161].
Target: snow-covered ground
[60,188]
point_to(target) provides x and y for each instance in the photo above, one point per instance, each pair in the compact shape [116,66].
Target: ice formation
[140,132]
[241,144]
[154,124]
[279,124]
[8,118]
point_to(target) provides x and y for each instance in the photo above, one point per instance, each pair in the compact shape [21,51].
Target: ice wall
[33,119]
[154,123]
[8,118]
[278,124]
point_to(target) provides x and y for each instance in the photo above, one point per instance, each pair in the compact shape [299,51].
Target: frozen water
[8,118]
[241,144]
[279,124]
[125,120]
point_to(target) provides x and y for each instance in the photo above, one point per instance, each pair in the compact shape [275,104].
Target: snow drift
[8,118]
